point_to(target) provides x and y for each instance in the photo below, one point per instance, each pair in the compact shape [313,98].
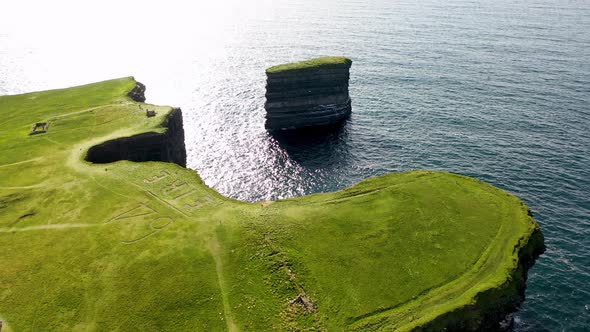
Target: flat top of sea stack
[144,246]
[328,61]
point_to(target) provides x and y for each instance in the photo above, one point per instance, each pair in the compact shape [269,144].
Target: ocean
[497,90]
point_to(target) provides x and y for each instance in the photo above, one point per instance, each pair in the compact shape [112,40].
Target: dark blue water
[498,90]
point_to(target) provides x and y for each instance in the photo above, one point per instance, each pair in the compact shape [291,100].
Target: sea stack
[308,93]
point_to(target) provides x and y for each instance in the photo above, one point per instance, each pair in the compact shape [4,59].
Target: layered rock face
[150,146]
[307,94]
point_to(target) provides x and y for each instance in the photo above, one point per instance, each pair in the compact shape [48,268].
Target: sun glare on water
[72,42]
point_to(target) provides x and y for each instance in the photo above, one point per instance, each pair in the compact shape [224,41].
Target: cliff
[491,308]
[150,146]
[308,93]
[147,246]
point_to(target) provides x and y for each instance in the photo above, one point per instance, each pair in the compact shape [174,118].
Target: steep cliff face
[309,93]
[151,146]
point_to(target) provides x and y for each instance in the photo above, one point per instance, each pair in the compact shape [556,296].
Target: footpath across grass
[146,246]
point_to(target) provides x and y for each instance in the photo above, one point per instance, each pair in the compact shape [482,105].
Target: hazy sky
[82,41]
[111,24]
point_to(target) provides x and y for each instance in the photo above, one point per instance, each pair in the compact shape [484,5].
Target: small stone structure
[303,301]
[150,113]
[39,128]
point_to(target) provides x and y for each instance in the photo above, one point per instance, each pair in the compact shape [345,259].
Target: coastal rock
[309,93]
[137,93]
[150,146]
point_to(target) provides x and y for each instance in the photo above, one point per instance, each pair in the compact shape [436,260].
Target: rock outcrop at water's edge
[307,94]
[151,146]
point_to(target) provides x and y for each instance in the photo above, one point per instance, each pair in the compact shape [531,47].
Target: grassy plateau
[323,62]
[146,246]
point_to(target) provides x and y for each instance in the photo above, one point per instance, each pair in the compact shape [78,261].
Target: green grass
[118,247]
[310,64]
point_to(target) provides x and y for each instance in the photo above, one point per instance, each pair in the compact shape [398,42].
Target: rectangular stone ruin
[39,128]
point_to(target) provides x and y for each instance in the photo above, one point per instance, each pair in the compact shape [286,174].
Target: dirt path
[21,162]
[87,110]
[215,251]
[45,227]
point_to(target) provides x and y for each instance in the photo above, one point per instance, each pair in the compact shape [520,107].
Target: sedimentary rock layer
[306,96]
[150,146]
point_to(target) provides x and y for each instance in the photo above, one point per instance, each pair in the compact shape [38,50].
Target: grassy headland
[146,246]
